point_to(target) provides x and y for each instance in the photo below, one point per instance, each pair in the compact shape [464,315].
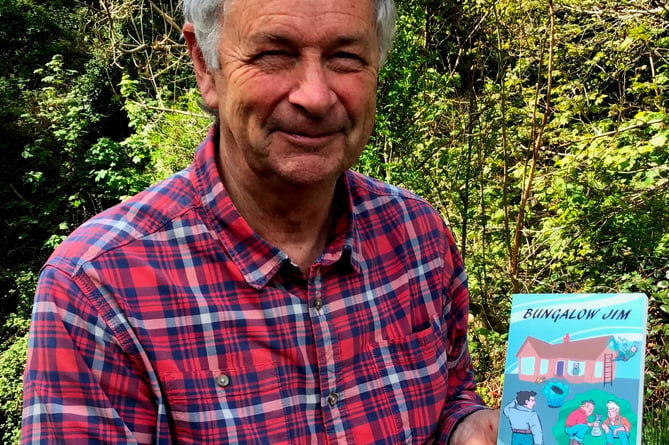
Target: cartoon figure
[525,424]
[624,351]
[577,424]
[628,353]
[576,369]
[596,430]
[616,425]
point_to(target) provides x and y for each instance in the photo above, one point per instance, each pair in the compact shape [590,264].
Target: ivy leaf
[659,140]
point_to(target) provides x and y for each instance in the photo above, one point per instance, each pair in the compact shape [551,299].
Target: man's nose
[313,92]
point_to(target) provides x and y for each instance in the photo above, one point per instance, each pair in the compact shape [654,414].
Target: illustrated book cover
[574,370]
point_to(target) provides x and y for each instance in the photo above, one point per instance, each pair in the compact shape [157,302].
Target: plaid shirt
[166,319]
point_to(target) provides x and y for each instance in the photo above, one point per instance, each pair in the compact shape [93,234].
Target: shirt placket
[332,403]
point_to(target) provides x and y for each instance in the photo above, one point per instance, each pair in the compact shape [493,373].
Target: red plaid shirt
[166,319]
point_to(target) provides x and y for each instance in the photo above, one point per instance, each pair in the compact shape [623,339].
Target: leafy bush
[20,288]
[656,427]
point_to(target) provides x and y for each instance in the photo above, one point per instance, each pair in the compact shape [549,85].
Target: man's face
[588,408]
[530,403]
[296,88]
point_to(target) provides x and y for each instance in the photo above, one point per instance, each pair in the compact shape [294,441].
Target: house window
[599,370]
[543,367]
[575,368]
[527,365]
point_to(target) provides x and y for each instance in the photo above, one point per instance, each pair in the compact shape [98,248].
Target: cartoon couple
[614,426]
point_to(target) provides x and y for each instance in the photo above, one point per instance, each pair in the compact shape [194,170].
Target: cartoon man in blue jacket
[525,424]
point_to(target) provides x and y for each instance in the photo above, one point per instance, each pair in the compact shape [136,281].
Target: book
[574,370]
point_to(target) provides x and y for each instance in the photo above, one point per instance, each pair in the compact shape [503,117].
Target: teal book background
[574,370]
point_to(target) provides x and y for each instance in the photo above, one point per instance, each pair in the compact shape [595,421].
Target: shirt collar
[344,243]
[256,259]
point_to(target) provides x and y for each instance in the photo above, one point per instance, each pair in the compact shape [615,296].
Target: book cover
[574,370]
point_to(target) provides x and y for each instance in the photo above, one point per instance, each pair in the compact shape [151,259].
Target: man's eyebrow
[265,37]
[351,39]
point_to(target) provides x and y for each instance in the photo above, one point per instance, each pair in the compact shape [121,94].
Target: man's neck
[297,220]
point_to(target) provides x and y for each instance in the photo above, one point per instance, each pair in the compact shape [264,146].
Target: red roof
[588,349]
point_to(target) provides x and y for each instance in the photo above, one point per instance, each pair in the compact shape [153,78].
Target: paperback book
[574,370]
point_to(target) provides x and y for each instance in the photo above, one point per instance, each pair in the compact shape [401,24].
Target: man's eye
[345,55]
[274,59]
[345,61]
[274,53]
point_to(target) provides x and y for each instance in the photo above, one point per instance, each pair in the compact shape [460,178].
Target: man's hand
[478,428]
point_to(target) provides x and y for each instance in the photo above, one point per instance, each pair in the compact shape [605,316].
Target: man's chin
[310,177]
[309,170]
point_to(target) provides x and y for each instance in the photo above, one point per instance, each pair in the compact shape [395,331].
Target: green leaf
[659,140]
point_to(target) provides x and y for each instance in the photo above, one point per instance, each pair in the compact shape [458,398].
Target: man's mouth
[310,132]
[310,139]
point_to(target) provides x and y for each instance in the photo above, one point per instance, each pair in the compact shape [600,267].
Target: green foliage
[161,130]
[12,362]
[488,349]
[73,175]
[656,427]
[32,31]
[142,41]
[607,202]
[13,336]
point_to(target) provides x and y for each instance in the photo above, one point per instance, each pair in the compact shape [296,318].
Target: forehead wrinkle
[281,24]
[285,35]
[285,39]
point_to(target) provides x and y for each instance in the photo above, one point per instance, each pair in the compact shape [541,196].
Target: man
[577,423]
[525,424]
[266,294]
[615,425]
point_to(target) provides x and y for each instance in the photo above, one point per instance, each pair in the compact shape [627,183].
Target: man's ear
[203,75]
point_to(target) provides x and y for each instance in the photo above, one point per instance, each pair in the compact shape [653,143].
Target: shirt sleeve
[508,407]
[535,427]
[79,384]
[462,398]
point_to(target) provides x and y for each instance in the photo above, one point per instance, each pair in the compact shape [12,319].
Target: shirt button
[333,398]
[318,304]
[222,380]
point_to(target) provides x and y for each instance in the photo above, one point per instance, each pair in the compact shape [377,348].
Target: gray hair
[206,15]
[613,405]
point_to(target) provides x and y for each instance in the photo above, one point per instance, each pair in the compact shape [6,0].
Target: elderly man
[615,425]
[267,293]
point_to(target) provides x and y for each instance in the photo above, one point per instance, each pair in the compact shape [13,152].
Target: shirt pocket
[236,405]
[414,373]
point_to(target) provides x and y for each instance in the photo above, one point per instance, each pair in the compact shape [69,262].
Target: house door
[560,369]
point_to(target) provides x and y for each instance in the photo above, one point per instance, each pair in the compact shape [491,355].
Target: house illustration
[592,360]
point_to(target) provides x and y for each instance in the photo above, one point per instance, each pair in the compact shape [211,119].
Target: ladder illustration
[608,369]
